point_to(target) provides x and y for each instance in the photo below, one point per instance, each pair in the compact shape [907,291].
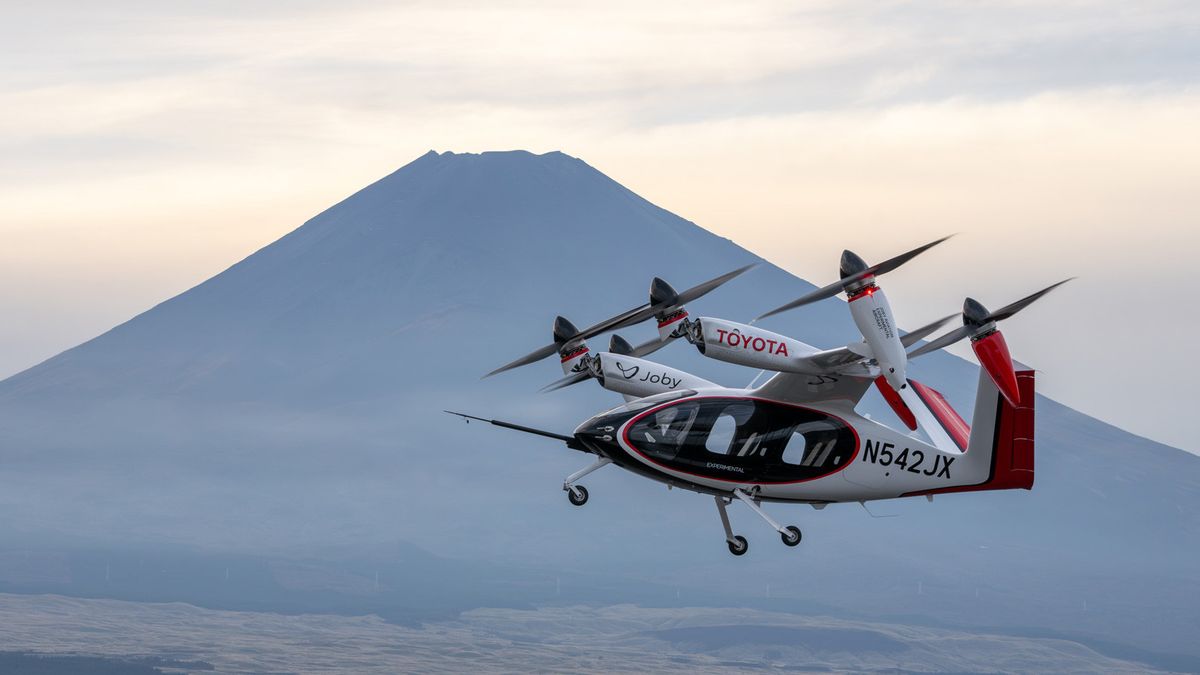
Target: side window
[733,425]
[794,452]
[720,439]
[819,443]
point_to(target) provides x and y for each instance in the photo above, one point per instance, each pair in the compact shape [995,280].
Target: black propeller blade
[1008,310]
[635,315]
[975,317]
[700,290]
[616,345]
[561,336]
[573,378]
[944,341]
[912,338]
[851,276]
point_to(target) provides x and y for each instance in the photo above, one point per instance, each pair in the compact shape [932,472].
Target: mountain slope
[293,402]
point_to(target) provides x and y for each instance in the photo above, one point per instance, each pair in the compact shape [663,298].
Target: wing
[832,388]
[830,360]
[833,360]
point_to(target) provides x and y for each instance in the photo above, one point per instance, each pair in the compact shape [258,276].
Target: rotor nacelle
[991,349]
[746,345]
[851,268]
[571,346]
[669,313]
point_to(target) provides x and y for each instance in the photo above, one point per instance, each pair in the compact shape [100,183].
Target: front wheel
[739,545]
[578,495]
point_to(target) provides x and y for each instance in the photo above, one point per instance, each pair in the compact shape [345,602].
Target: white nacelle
[571,357]
[749,346]
[672,323]
[639,377]
[873,316]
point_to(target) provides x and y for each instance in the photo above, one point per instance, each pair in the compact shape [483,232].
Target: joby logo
[628,373]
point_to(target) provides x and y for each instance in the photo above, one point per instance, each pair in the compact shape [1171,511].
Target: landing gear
[738,545]
[577,494]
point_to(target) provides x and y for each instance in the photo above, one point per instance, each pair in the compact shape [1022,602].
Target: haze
[148,146]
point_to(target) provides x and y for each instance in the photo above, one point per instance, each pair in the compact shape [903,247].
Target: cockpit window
[664,431]
[746,439]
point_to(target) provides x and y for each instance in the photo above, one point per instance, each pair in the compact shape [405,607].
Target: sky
[145,146]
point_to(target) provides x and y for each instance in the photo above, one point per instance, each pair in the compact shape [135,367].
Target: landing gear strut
[577,494]
[738,545]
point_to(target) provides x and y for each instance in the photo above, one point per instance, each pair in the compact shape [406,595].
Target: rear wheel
[791,535]
[739,545]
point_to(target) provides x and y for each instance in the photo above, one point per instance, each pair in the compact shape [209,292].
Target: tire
[791,535]
[739,545]
[578,495]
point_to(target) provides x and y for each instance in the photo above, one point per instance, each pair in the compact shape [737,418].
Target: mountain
[292,404]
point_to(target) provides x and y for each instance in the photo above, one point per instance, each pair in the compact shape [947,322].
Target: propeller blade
[921,333]
[648,348]
[944,341]
[536,355]
[628,318]
[892,263]
[1009,310]
[841,284]
[635,315]
[573,378]
[700,290]
[819,294]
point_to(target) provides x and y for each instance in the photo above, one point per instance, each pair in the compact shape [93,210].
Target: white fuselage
[871,461]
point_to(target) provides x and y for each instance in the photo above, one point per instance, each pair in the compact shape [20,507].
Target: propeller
[976,318]
[987,342]
[912,338]
[662,298]
[616,345]
[854,271]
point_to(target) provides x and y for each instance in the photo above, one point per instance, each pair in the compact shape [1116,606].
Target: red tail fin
[1013,462]
[1005,431]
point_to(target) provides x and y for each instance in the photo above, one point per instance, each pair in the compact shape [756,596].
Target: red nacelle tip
[993,355]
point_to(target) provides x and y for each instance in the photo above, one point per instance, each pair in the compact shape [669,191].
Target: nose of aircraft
[599,434]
